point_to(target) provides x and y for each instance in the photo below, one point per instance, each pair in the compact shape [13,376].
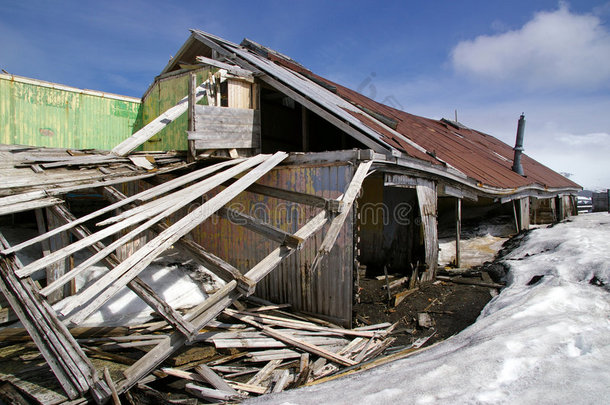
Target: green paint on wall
[164,94]
[44,114]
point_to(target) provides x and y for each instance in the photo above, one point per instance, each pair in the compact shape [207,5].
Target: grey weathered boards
[225,127]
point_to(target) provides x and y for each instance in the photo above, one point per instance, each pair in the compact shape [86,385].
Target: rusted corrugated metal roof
[480,156]
[484,159]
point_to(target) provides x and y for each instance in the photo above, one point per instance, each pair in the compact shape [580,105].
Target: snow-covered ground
[478,244]
[543,343]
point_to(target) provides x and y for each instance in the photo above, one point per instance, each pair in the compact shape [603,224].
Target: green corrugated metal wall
[164,94]
[43,114]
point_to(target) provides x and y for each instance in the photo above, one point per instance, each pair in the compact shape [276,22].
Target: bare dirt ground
[452,307]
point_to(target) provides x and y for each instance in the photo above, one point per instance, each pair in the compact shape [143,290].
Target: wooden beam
[458,231]
[291,340]
[235,70]
[143,196]
[192,101]
[156,125]
[260,227]
[171,316]
[29,205]
[112,282]
[295,196]
[337,223]
[214,379]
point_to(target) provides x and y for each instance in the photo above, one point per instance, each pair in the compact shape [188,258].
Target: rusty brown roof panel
[480,156]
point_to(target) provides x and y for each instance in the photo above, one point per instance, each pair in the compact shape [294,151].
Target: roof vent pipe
[517,168]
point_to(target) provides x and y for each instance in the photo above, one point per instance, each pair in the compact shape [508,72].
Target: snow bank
[543,343]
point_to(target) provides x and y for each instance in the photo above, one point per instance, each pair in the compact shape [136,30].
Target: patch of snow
[477,245]
[543,343]
[179,281]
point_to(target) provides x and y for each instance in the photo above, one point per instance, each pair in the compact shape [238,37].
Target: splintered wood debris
[209,351]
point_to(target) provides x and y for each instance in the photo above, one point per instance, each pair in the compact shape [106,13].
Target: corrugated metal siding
[164,94]
[57,116]
[329,291]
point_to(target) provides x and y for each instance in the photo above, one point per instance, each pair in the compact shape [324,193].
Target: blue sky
[489,60]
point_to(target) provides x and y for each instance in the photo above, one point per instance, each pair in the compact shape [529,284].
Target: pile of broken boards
[246,352]
[82,365]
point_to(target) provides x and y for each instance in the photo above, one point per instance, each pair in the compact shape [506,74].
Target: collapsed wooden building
[279,181]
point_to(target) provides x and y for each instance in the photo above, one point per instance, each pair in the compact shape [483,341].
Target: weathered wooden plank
[337,223]
[226,115]
[214,379]
[109,284]
[29,205]
[295,196]
[156,125]
[236,70]
[281,382]
[265,372]
[291,340]
[170,315]
[223,140]
[143,196]
[157,213]
[260,227]
[209,393]
[427,200]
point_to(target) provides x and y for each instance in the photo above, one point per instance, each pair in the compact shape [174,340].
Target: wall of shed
[38,113]
[327,292]
[162,95]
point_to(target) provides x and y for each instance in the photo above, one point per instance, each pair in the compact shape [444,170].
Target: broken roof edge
[418,167]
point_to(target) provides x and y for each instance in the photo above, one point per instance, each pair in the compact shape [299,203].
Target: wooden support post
[524,211]
[427,199]
[305,128]
[192,100]
[458,230]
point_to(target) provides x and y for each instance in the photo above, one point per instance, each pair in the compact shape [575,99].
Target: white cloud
[555,49]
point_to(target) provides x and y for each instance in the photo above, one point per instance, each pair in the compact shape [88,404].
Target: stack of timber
[257,350]
[293,349]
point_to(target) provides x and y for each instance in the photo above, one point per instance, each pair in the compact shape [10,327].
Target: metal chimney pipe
[517,168]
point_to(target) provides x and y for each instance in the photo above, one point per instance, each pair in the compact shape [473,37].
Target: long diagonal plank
[136,285]
[156,125]
[112,282]
[143,196]
[168,207]
[215,304]
[68,362]
[337,223]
